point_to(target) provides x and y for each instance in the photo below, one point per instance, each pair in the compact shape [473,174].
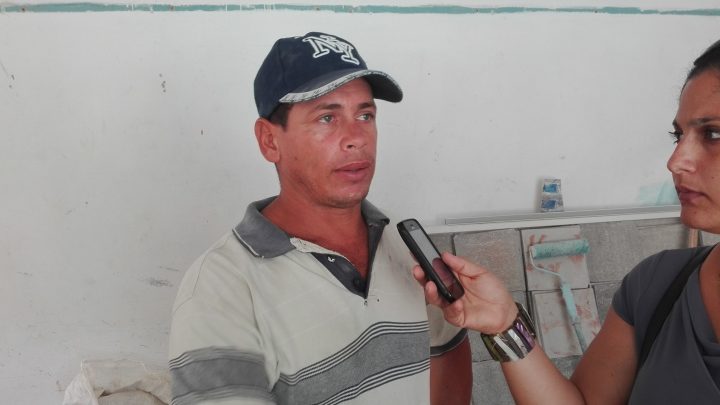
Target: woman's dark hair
[710,59]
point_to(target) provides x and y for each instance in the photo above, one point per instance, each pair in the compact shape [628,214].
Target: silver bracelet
[515,342]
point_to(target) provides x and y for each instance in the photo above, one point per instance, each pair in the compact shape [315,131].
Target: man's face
[327,149]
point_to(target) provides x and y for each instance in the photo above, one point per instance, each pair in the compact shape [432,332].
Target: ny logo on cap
[325,43]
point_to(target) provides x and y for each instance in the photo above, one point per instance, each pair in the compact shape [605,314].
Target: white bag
[118,382]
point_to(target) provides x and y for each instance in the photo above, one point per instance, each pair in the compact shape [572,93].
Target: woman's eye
[676,136]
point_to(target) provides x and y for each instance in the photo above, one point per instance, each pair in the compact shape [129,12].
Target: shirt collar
[263,239]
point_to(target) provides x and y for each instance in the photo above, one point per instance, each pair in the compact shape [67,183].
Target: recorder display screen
[432,255]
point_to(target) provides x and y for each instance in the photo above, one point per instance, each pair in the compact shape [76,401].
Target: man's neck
[313,222]
[342,230]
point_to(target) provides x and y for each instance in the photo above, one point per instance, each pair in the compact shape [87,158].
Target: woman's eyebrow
[703,120]
[696,122]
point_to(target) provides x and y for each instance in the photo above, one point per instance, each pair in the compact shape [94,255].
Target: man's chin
[348,200]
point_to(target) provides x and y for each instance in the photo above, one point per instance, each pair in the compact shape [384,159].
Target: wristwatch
[515,342]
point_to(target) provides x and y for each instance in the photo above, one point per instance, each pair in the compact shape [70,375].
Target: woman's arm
[606,372]
[604,375]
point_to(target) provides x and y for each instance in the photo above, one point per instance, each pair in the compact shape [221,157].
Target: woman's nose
[684,157]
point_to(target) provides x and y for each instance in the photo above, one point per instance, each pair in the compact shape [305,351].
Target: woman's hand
[486,306]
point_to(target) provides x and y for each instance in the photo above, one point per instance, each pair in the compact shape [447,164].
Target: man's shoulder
[260,236]
[228,247]
[223,263]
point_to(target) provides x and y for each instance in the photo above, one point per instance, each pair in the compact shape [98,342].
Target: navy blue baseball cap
[302,68]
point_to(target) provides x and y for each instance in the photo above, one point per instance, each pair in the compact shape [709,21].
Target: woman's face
[695,163]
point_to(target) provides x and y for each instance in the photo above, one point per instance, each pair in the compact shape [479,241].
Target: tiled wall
[615,248]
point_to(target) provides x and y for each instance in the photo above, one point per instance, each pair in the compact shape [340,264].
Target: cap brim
[383,86]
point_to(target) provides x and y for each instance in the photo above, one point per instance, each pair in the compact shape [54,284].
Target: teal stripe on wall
[430,9]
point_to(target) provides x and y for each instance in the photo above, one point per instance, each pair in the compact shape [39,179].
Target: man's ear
[266,134]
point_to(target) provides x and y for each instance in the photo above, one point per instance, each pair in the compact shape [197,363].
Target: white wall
[126,144]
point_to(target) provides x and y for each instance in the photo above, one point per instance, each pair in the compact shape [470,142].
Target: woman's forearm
[536,380]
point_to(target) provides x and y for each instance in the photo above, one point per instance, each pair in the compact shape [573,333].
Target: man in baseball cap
[309,298]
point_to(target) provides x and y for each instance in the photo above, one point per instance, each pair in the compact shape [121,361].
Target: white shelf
[543,219]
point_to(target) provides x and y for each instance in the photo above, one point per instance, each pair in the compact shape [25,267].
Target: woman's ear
[266,135]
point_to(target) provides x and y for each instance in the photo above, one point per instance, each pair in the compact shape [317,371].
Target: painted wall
[127,147]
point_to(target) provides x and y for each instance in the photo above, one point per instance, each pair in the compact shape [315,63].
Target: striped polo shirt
[260,318]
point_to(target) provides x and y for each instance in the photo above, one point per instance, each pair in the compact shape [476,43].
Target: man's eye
[365,117]
[712,134]
[326,118]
